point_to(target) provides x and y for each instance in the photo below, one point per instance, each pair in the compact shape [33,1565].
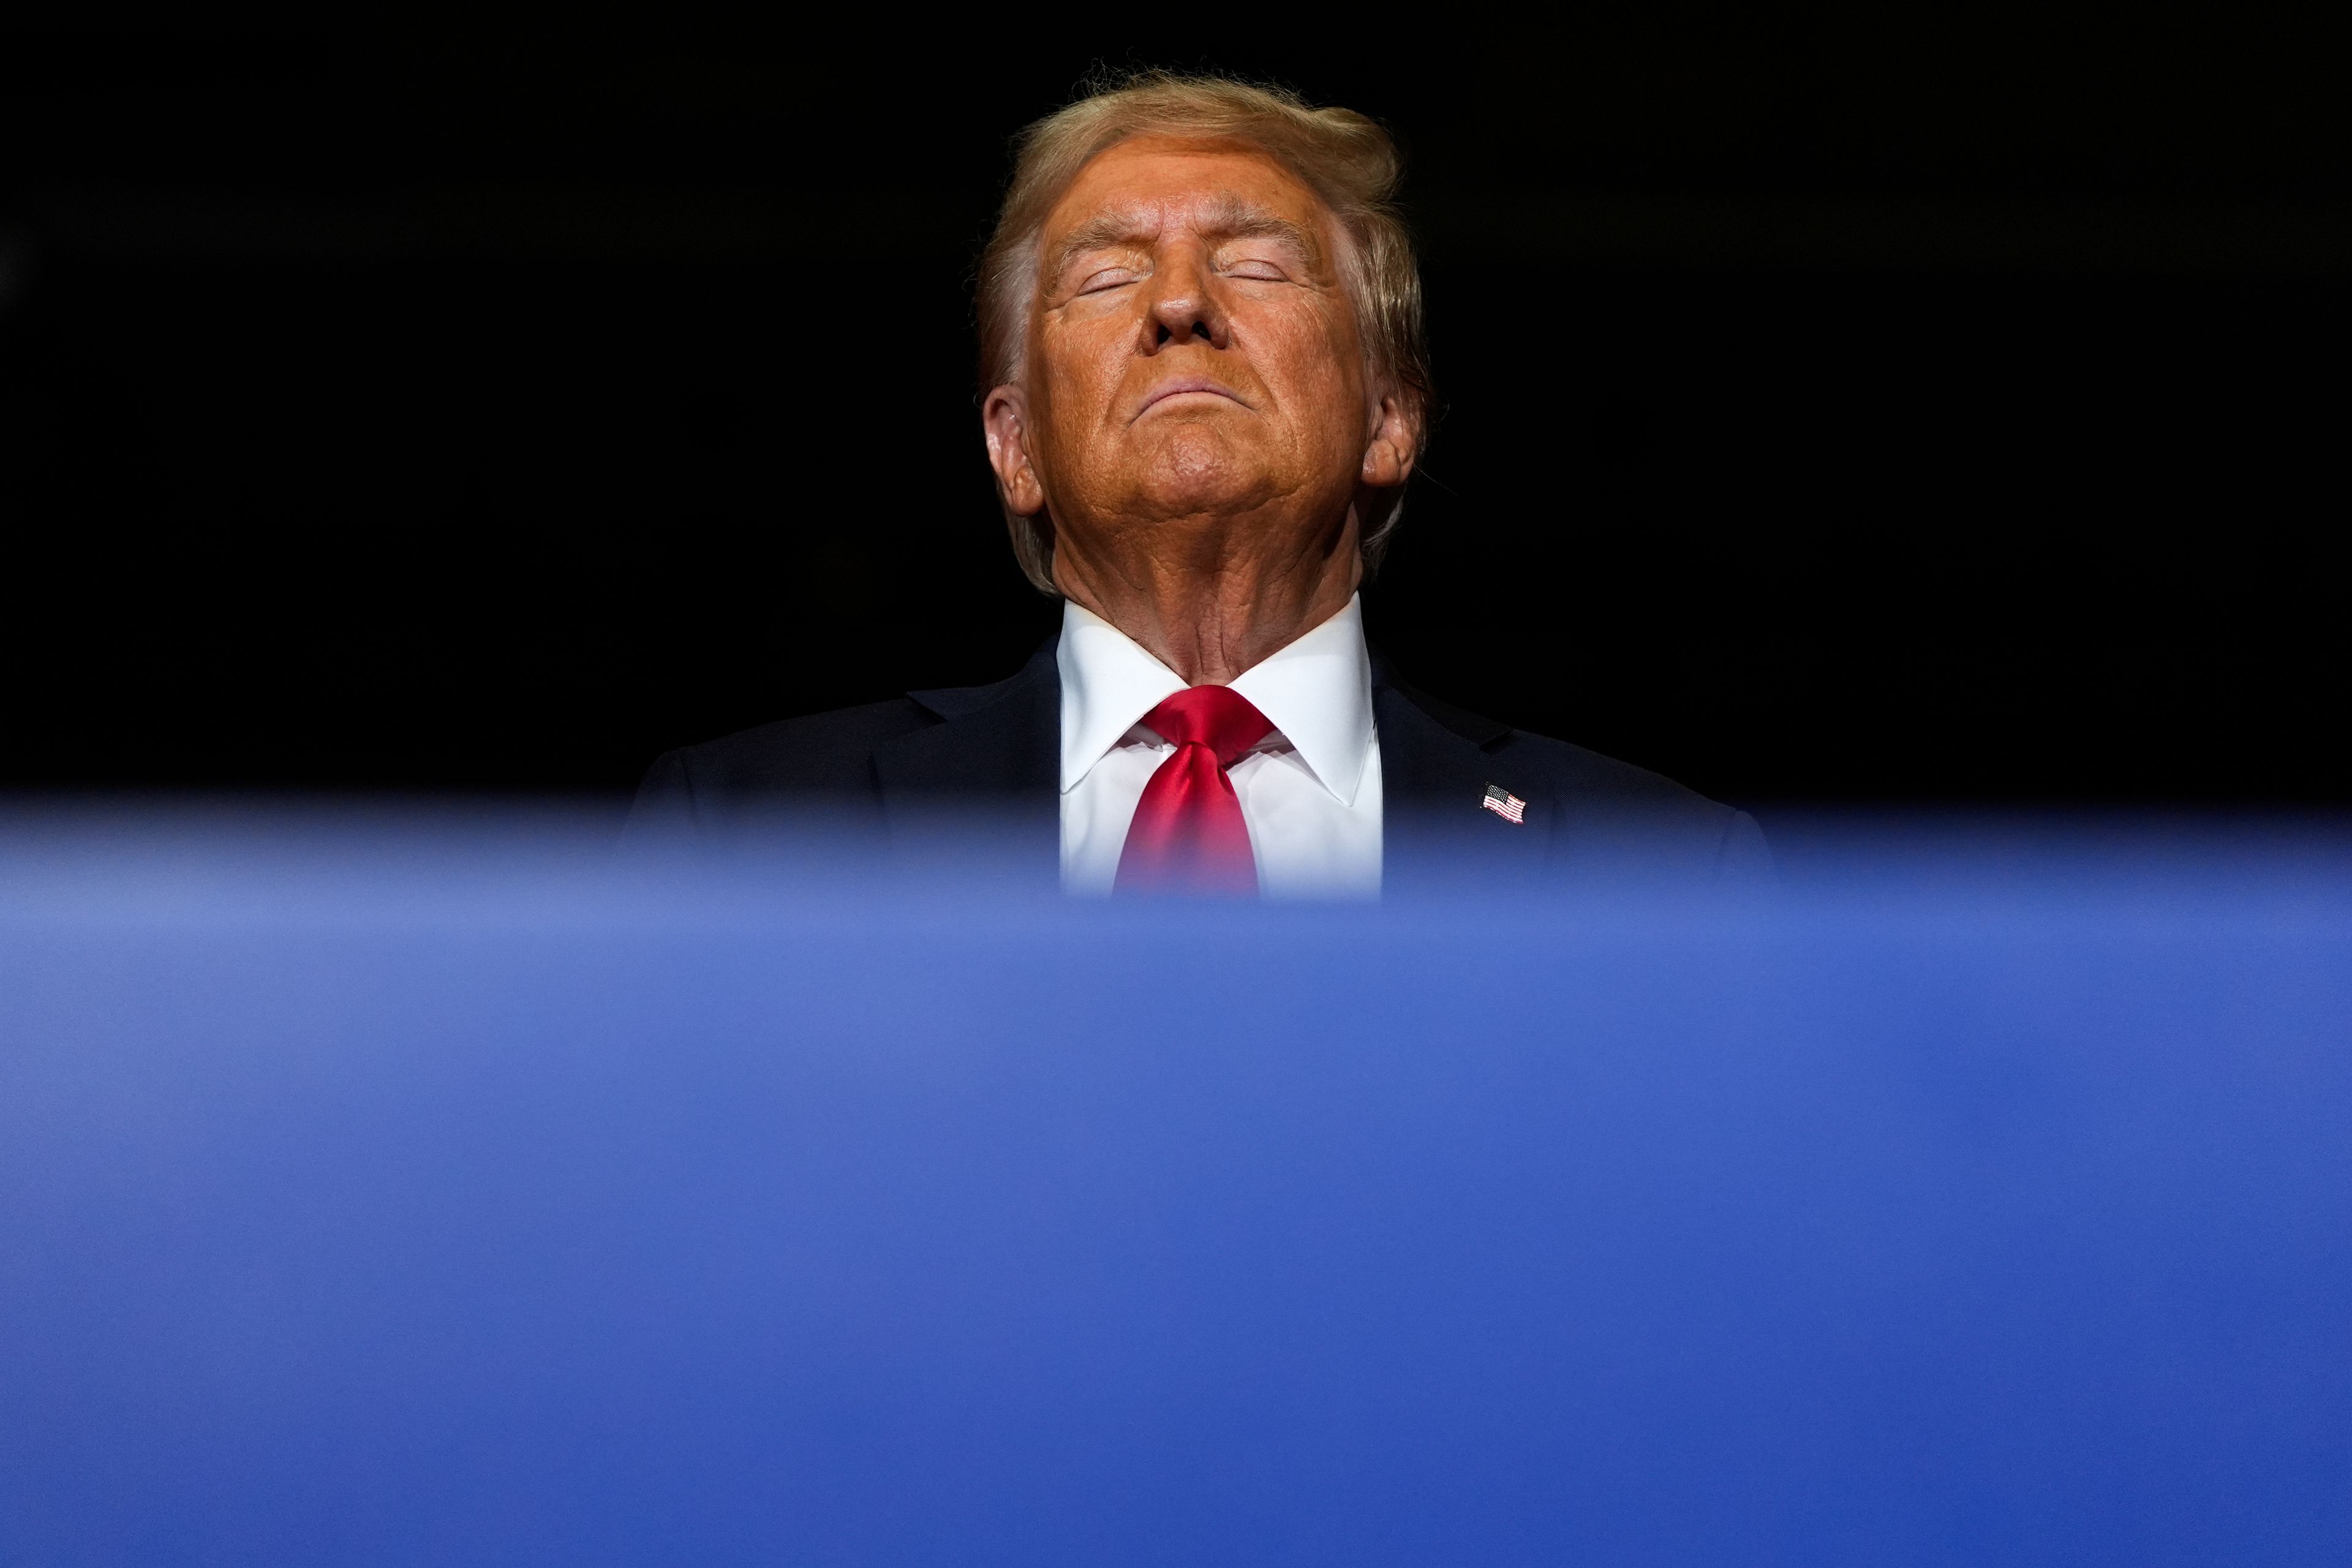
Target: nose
[1183,305]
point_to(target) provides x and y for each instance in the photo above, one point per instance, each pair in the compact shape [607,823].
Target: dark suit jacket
[998,747]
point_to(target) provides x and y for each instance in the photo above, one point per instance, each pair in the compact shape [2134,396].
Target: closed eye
[1108,277]
[1256,268]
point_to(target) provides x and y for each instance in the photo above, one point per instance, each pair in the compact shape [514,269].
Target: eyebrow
[1229,218]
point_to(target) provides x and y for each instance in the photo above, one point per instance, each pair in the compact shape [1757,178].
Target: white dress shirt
[1311,791]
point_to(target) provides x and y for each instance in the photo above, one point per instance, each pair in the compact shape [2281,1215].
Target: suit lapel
[996,748]
[1436,761]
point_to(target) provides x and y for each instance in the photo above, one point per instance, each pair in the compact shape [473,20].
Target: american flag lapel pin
[1506,805]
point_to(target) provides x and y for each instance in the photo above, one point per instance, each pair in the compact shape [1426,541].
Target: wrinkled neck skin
[1209,595]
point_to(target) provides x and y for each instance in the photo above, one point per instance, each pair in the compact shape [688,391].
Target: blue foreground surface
[398,1195]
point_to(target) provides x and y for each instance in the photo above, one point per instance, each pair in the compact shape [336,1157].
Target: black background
[1838,407]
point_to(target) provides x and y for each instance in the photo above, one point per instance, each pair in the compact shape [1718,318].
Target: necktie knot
[1216,717]
[1187,834]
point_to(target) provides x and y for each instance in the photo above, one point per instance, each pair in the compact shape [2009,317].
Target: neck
[1209,597]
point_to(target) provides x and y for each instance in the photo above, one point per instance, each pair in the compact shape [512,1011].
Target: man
[1203,391]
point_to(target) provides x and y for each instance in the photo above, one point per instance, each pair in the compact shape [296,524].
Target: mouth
[1188,386]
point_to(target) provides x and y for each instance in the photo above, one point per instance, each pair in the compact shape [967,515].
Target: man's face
[1194,354]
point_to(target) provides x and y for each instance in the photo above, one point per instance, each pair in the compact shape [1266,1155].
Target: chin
[1198,469]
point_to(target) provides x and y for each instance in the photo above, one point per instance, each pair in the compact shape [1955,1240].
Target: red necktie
[1188,836]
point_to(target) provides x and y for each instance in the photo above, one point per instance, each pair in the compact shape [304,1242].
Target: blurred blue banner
[375,1192]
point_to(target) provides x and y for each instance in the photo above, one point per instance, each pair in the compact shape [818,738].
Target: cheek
[1316,365]
[1083,361]
[1314,356]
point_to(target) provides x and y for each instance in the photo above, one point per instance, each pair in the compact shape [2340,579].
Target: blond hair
[1344,157]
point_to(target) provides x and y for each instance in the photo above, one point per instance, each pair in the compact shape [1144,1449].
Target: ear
[1004,419]
[1395,442]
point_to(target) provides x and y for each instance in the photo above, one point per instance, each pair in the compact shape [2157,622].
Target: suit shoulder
[1577,770]
[821,759]
[817,753]
[1567,768]
[1635,814]
[1608,810]
[1616,812]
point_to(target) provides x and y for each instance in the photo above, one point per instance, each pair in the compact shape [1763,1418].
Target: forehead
[1162,180]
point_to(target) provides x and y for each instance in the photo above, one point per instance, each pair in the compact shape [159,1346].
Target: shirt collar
[1108,682]
[1317,690]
